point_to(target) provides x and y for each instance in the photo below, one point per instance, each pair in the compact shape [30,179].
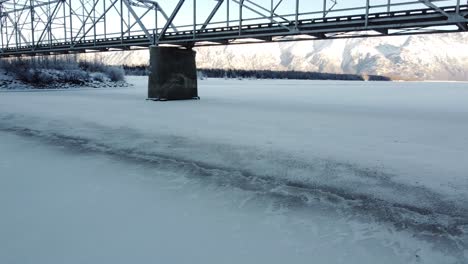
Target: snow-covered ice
[257,171]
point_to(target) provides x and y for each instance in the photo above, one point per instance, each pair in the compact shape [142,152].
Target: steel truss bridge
[44,27]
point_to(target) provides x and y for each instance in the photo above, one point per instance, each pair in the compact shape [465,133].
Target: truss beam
[32,27]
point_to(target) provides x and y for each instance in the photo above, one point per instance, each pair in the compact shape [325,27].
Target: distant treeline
[265,74]
[136,70]
[295,75]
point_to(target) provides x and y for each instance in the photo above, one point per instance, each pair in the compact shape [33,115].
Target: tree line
[266,74]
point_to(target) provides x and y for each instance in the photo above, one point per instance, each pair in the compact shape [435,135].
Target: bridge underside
[411,22]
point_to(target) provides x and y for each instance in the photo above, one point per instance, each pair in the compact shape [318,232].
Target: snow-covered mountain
[422,57]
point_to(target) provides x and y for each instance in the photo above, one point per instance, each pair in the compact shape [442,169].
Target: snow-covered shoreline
[393,152]
[58,73]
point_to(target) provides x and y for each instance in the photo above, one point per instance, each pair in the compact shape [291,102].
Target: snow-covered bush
[98,76]
[45,77]
[53,71]
[77,76]
[115,73]
[136,70]
[201,75]
[92,66]
[28,71]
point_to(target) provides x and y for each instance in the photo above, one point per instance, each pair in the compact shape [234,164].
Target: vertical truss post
[128,18]
[104,19]
[83,20]
[121,22]
[49,24]
[227,12]
[64,23]
[1,26]
[1,32]
[296,22]
[324,8]
[31,8]
[194,18]
[367,13]
[271,11]
[155,32]
[15,25]
[94,21]
[6,34]
[71,21]
[241,4]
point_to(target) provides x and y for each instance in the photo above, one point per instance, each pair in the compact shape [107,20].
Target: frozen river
[255,172]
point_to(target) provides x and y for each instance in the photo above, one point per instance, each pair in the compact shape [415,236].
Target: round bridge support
[173,74]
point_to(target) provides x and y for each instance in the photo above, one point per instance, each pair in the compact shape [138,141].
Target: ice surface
[305,168]
[65,207]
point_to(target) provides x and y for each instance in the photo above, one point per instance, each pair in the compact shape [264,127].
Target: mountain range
[418,57]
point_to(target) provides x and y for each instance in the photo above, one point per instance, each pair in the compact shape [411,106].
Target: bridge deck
[352,26]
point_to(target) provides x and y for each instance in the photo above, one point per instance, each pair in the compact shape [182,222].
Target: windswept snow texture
[256,172]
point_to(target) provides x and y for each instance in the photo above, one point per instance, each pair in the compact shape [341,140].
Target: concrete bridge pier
[173,74]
